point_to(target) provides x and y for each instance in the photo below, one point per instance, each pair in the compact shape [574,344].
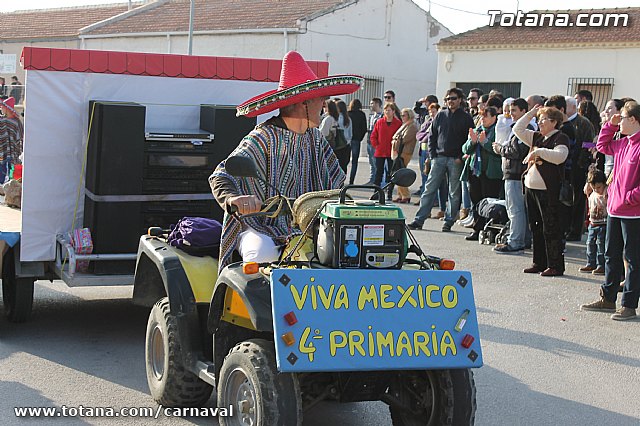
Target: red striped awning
[156,64]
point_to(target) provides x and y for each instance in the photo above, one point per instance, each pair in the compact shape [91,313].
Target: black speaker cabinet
[116,227]
[228,130]
[115,155]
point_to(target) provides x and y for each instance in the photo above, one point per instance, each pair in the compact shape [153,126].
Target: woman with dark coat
[483,167]
[549,148]
[359,130]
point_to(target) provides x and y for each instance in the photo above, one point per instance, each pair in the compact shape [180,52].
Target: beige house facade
[390,42]
[522,61]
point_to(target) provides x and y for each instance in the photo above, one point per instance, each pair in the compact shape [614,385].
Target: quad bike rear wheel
[260,395]
[17,293]
[170,383]
[436,397]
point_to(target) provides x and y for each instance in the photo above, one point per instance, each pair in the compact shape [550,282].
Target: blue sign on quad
[356,320]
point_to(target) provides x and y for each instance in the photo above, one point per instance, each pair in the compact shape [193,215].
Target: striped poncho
[293,163]
[11,133]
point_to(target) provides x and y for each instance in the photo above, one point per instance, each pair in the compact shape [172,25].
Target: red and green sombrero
[298,83]
[10,103]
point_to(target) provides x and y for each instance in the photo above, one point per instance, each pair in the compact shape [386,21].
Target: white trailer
[60,83]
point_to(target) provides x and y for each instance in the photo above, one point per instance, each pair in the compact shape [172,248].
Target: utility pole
[191,13]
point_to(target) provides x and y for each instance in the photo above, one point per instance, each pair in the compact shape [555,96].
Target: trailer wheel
[17,293]
[170,383]
[261,396]
[436,397]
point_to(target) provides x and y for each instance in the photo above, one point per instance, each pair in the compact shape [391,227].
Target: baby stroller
[496,228]
[494,233]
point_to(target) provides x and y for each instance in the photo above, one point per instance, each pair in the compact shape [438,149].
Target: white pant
[256,247]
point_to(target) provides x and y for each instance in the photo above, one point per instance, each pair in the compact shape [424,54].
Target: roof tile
[54,23]
[520,35]
[172,16]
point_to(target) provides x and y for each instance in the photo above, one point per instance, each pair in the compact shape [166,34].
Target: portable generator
[361,234]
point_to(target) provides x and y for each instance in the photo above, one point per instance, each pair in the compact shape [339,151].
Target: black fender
[255,292]
[159,273]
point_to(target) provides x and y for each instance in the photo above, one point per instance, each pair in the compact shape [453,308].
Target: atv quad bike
[345,315]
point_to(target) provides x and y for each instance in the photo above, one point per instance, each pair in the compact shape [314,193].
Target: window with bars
[508,90]
[373,88]
[600,88]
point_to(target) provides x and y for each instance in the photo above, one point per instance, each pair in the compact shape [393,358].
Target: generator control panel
[365,237]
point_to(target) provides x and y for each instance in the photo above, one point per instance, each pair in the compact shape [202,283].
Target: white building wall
[15,48]
[386,38]
[543,72]
[267,46]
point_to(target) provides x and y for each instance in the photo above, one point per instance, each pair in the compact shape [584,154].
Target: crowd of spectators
[558,166]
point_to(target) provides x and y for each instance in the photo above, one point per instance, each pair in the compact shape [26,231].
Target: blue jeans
[5,166]
[517,213]
[623,236]
[440,167]
[443,194]
[372,162]
[355,154]
[423,159]
[595,245]
[466,197]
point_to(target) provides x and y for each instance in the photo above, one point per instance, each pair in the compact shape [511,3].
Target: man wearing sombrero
[11,132]
[290,153]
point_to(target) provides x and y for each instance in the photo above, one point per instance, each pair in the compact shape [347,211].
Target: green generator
[361,234]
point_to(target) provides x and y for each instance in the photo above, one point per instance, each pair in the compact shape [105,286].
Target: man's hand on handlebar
[245,204]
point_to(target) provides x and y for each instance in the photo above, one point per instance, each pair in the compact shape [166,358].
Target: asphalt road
[546,363]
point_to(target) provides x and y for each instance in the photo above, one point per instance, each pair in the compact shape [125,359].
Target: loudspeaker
[116,227]
[115,155]
[228,130]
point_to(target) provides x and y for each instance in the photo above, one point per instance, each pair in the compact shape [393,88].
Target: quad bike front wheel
[260,395]
[17,293]
[170,383]
[431,398]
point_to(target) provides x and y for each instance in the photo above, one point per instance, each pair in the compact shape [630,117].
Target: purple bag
[197,236]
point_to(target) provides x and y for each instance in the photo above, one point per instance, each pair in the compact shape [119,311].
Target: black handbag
[398,162]
[566,193]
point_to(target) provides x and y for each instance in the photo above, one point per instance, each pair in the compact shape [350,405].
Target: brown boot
[624,314]
[464,213]
[600,305]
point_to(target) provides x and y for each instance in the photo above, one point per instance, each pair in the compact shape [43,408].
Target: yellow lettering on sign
[342,298]
[370,296]
[299,299]
[447,343]
[421,343]
[334,344]
[304,347]
[314,298]
[449,296]
[434,342]
[384,340]
[356,339]
[384,289]
[406,296]
[371,342]
[430,289]
[324,298]
[403,343]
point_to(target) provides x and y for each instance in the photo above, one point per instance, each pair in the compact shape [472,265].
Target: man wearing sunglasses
[390,96]
[449,132]
[473,99]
